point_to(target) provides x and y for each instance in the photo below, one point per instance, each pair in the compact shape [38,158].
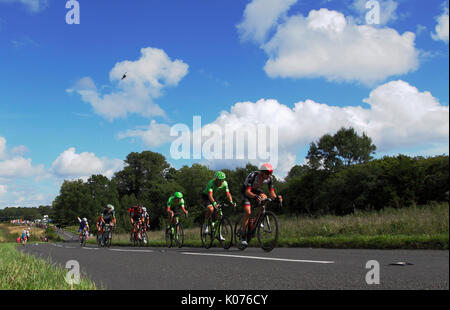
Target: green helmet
[178,195]
[220,175]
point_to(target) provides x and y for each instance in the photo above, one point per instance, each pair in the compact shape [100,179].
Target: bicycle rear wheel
[179,235]
[226,232]
[267,231]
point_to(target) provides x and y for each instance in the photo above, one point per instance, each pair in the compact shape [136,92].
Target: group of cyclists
[251,191]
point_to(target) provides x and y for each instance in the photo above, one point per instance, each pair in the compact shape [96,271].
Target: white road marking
[89,248]
[119,250]
[263,258]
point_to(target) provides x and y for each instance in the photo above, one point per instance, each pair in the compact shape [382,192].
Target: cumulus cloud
[442,28]
[260,16]
[324,44]
[327,44]
[399,116]
[12,165]
[69,164]
[145,81]
[33,6]
[153,135]
[3,189]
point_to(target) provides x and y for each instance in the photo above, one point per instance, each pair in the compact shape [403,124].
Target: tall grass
[19,271]
[425,227]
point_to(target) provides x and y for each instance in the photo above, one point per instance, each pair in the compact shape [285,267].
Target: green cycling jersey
[172,204]
[212,187]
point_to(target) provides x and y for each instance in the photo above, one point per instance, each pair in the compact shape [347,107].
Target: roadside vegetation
[342,196]
[19,271]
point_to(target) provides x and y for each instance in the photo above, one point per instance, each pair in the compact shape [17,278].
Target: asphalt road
[128,268]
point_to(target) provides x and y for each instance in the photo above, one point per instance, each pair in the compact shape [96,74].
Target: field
[416,227]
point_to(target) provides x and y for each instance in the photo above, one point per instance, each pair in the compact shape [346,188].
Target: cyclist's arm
[210,196]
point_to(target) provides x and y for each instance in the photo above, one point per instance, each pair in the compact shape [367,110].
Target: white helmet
[110,207]
[144,209]
[84,219]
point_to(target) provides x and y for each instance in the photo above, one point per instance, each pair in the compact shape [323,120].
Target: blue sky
[308,67]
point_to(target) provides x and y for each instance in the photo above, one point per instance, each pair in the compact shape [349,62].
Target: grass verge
[416,227]
[19,271]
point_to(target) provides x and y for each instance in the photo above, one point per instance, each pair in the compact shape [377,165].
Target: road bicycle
[104,239]
[175,232]
[84,236]
[264,225]
[219,228]
[140,237]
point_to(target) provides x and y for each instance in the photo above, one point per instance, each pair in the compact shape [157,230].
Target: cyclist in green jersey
[173,206]
[218,183]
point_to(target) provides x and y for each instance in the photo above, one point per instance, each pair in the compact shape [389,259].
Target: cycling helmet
[110,207]
[220,175]
[178,195]
[84,219]
[144,209]
[266,167]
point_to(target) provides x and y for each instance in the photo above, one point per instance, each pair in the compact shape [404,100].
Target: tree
[340,150]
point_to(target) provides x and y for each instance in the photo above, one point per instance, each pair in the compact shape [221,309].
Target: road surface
[129,268]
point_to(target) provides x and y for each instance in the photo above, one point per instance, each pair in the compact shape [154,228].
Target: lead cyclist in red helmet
[251,192]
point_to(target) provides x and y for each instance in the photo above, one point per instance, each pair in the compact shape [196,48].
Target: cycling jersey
[83,225]
[176,207]
[251,182]
[108,216]
[212,187]
[253,179]
[135,213]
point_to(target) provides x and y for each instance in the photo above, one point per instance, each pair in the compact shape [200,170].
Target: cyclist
[84,226]
[173,206]
[145,219]
[136,215]
[108,216]
[208,200]
[252,193]
[100,224]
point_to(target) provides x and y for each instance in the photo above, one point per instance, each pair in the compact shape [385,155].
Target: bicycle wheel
[238,239]
[179,235]
[226,232]
[267,231]
[108,239]
[207,239]
[145,238]
[169,237]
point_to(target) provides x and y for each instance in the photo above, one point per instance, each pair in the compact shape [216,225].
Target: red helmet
[266,167]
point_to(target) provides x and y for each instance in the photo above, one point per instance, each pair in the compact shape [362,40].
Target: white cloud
[33,6]
[12,165]
[69,164]
[146,78]
[442,28]
[260,16]
[3,189]
[153,135]
[325,44]
[400,116]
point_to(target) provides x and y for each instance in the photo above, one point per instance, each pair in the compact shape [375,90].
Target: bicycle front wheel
[179,235]
[207,238]
[226,233]
[267,231]
[169,237]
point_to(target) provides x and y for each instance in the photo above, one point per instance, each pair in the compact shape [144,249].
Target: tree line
[340,176]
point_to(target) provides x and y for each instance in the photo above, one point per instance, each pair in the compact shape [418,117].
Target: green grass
[416,227]
[19,271]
